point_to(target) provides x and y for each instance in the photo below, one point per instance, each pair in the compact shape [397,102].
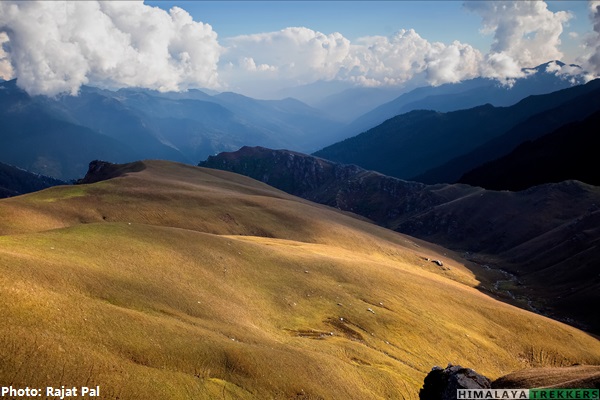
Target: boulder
[441,384]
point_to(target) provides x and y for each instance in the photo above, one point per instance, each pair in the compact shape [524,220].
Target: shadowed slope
[178,282]
[566,153]
[547,235]
[15,181]
[418,142]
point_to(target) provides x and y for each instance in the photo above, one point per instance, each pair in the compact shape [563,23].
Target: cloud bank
[57,47]
[296,56]
[290,57]
[526,34]
[399,58]
[591,60]
[6,71]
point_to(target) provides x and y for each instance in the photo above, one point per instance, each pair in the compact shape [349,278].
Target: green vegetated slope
[182,282]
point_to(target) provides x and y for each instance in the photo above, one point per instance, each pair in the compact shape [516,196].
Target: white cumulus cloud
[404,55]
[6,71]
[296,56]
[452,63]
[292,56]
[56,47]
[526,34]
[591,58]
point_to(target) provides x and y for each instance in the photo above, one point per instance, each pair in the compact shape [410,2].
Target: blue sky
[351,18]
[259,48]
[435,20]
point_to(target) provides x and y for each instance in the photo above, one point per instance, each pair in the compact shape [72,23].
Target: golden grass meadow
[178,282]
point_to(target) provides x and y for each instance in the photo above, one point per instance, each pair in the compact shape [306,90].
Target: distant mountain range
[15,181]
[59,136]
[539,125]
[547,236]
[344,100]
[346,105]
[37,135]
[466,94]
[431,146]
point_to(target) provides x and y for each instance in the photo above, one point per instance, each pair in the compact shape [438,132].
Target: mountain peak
[544,66]
[555,66]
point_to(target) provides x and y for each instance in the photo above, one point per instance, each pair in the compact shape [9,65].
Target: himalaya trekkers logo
[538,394]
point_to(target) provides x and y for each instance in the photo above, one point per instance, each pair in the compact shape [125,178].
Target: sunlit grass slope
[177,282]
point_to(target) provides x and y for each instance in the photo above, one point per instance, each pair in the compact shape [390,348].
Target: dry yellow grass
[177,282]
[576,376]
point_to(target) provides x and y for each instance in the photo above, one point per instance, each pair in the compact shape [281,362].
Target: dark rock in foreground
[441,384]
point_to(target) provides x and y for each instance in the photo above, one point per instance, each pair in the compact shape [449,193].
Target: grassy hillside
[181,282]
[576,376]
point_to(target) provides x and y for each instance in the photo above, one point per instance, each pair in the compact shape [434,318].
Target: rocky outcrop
[102,170]
[442,383]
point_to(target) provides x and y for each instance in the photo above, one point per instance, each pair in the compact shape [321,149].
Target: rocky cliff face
[347,187]
[99,170]
[546,236]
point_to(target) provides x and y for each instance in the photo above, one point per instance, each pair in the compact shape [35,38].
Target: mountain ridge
[533,128]
[411,144]
[466,94]
[565,153]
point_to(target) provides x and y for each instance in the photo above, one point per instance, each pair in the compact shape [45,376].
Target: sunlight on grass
[186,290]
